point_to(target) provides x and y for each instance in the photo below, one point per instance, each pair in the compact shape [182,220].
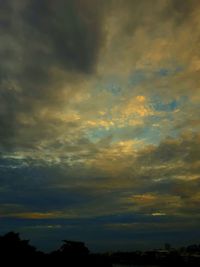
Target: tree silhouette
[13,249]
[11,244]
[73,248]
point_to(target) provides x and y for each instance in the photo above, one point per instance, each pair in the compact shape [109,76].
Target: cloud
[46,47]
[161,179]
[70,44]
[99,111]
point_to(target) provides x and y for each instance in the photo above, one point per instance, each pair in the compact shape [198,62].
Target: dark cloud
[185,148]
[39,39]
[180,10]
[71,30]
[45,44]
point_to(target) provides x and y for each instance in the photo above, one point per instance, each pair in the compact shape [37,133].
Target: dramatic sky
[100,122]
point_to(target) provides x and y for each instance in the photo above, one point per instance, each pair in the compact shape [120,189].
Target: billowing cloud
[46,49]
[99,115]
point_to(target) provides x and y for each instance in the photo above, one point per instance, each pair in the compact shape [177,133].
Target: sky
[99,122]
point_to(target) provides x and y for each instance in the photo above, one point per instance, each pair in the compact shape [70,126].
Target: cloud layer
[99,115]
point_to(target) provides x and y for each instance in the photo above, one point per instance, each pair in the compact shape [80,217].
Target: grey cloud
[71,29]
[185,148]
[181,10]
[39,39]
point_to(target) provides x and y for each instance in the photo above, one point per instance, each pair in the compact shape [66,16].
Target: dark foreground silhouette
[13,250]
[71,253]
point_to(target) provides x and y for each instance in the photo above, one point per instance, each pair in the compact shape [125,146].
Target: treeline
[15,250]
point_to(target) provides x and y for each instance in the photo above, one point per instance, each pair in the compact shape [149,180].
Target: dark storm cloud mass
[38,37]
[70,29]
